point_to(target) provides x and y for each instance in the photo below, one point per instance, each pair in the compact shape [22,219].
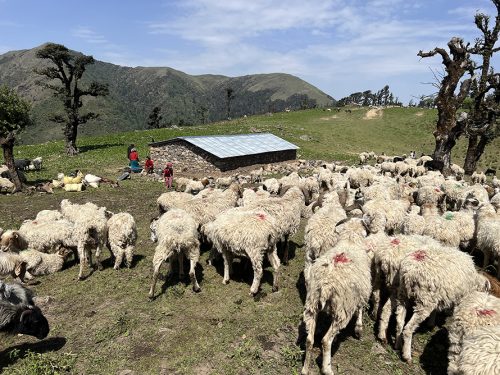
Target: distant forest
[367,98]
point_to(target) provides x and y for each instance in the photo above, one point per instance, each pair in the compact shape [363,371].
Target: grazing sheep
[457,171]
[488,234]
[90,224]
[430,195]
[18,314]
[479,355]
[256,175]
[195,186]
[476,310]
[423,159]
[360,178]
[172,199]
[339,283]
[176,232]
[43,235]
[271,185]
[252,233]
[122,236]
[425,280]
[223,182]
[38,263]
[478,178]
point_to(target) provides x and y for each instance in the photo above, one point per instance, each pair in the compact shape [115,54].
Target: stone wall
[184,159]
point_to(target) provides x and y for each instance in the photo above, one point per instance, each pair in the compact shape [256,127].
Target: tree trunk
[442,150]
[475,150]
[8,157]
[71,132]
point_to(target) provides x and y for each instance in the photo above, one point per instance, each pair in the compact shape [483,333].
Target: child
[168,174]
[133,155]
[149,165]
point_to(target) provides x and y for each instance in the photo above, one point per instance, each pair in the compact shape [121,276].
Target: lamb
[18,314]
[479,355]
[339,283]
[246,232]
[478,178]
[474,311]
[457,171]
[488,234]
[176,232]
[90,224]
[122,236]
[424,279]
[194,186]
[223,182]
[38,263]
[423,159]
[256,175]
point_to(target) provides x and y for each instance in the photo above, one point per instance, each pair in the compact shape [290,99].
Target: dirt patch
[329,118]
[373,113]
[419,114]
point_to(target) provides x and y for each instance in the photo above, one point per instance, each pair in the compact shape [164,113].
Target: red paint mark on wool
[395,242]
[419,255]
[486,312]
[438,190]
[340,258]
[261,216]
[35,222]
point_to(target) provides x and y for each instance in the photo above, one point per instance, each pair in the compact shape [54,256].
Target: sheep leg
[376,295]
[327,341]
[358,328]
[275,263]
[119,253]
[129,256]
[192,274]
[227,260]
[257,274]
[98,256]
[486,258]
[310,323]
[157,262]
[82,254]
[431,322]
[419,315]
[385,316]
[400,322]
[285,251]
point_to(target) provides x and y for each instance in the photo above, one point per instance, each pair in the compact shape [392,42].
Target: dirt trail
[373,113]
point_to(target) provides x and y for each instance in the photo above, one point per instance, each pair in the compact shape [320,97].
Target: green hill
[185,99]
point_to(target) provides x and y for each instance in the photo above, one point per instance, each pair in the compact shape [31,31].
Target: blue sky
[339,46]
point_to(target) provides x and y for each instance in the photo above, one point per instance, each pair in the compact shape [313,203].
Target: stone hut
[215,153]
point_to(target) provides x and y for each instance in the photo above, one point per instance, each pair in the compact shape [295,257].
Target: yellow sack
[57,183]
[73,187]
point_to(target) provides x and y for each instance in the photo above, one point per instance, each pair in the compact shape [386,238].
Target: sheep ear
[26,314]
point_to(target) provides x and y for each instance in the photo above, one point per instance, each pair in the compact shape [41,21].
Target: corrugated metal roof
[226,146]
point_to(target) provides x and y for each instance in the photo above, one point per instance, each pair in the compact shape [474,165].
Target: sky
[339,46]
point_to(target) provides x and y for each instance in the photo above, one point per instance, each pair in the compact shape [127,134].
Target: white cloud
[88,35]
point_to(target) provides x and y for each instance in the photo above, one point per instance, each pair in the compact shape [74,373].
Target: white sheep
[38,263]
[475,310]
[478,178]
[12,264]
[176,232]
[172,199]
[479,355]
[250,233]
[388,215]
[360,177]
[425,279]
[90,227]
[223,182]
[488,234]
[339,283]
[495,202]
[122,236]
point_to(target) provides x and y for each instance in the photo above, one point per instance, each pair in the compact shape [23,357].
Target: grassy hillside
[134,92]
[105,324]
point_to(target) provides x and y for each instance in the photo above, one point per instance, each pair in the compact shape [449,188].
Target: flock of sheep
[395,233]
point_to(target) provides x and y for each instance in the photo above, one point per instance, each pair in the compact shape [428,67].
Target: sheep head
[33,323]
[12,240]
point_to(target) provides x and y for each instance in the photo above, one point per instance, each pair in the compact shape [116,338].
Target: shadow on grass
[434,359]
[87,148]
[48,345]
[172,279]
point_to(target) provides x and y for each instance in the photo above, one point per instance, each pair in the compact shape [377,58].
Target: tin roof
[226,146]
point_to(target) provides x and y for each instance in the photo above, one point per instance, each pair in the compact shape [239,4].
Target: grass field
[106,325]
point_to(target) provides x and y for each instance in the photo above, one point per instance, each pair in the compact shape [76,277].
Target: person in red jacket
[168,174]
[149,165]
[133,155]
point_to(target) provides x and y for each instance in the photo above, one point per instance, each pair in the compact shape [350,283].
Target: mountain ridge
[134,91]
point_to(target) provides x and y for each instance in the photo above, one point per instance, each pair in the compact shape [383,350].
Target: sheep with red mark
[425,280]
[339,283]
[474,311]
[251,233]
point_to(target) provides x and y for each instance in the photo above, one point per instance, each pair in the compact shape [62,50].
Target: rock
[305,137]
[6,186]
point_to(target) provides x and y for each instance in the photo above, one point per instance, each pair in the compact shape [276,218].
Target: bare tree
[449,128]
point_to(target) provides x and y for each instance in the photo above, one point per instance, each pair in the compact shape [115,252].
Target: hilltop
[184,98]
